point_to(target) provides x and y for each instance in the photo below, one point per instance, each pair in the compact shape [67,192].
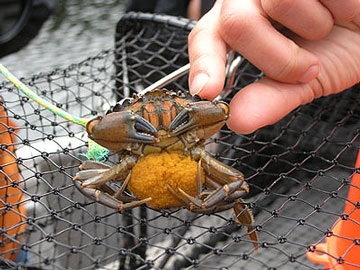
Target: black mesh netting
[299,171]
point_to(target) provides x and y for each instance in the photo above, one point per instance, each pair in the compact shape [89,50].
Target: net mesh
[299,171]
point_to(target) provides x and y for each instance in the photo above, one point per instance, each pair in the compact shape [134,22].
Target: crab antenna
[31,94]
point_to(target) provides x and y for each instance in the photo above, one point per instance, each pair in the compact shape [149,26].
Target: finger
[309,19]
[207,54]
[344,11]
[246,29]
[265,102]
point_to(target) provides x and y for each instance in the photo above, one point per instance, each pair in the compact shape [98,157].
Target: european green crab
[159,122]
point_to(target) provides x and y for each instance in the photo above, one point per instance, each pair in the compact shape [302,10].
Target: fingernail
[198,83]
[310,74]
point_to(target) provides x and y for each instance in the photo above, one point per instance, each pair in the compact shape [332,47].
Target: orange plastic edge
[12,211]
[341,251]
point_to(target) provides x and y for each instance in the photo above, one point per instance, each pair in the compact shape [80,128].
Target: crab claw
[121,127]
[200,114]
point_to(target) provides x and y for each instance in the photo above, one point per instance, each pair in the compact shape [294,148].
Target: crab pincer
[206,116]
[118,128]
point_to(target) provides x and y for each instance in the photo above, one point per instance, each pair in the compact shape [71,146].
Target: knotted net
[299,171]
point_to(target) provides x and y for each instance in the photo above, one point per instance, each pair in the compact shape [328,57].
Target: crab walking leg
[180,199]
[107,200]
[121,190]
[195,200]
[219,172]
[244,216]
[196,205]
[218,195]
[94,177]
[233,189]
[111,192]
[89,164]
[229,186]
[209,183]
[222,173]
[198,178]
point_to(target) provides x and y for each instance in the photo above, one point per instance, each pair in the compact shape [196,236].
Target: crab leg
[234,181]
[218,195]
[89,164]
[218,171]
[121,190]
[218,208]
[198,178]
[176,195]
[106,199]
[223,193]
[94,177]
[243,215]
[222,173]
[214,185]
[229,185]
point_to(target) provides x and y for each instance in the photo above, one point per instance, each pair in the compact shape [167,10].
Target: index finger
[207,53]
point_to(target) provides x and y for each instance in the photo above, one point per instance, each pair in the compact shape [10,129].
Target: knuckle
[321,29]
[318,89]
[349,15]
[276,8]
[193,33]
[201,62]
[237,27]
[343,11]
[202,26]
[194,52]
[312,91]
[289,66]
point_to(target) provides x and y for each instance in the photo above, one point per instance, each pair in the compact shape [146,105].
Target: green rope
[95,151]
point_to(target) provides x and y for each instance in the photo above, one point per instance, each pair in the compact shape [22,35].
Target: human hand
[312,50]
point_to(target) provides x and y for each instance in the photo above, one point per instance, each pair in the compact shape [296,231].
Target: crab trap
[304,186]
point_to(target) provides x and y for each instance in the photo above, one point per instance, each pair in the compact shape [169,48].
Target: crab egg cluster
[152,174]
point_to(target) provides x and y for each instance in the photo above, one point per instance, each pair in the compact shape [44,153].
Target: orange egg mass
[152,173]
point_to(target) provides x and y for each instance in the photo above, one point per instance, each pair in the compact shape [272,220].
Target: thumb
[267,101]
